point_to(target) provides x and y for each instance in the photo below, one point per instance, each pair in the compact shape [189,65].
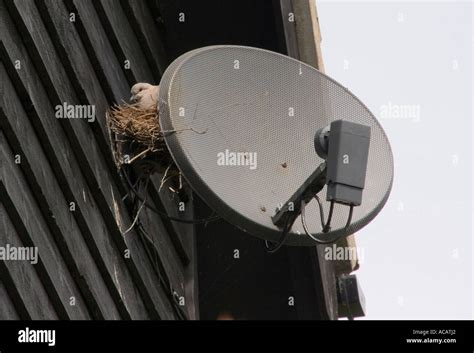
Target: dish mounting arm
[292,208]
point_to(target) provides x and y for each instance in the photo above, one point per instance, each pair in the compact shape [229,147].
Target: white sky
[418,253]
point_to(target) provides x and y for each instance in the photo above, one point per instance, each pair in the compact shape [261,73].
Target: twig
[139,155]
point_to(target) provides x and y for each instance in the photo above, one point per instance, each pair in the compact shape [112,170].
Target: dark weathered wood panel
[12,296]
[95,35]
[168,202]
[123,40]
[166,254]
[168,250]
[246,22]
[93,31]
[65,168]
[94,38]
[85,149]
[33,231]
[88,84]
[142,22]
[182,235]
[7,309]
[24,276]
[74,53]
[80,72]
[69,159]
[54,206]
[92,225]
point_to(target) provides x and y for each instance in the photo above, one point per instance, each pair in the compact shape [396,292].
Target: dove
[145,95]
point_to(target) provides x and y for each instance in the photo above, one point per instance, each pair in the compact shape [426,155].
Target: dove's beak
[132,98]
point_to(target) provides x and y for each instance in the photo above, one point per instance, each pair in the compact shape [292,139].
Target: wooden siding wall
[47,60]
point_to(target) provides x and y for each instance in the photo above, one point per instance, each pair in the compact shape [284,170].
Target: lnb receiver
[345,147]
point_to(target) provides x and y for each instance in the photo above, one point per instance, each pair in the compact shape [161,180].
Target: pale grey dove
[145,95]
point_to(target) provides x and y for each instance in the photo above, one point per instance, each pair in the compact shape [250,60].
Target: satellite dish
[258,135]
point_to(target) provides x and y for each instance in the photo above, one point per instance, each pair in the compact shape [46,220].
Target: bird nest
[141,125]
[137,140]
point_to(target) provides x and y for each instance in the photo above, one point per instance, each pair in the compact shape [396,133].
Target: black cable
[349,219]
[321,212]
[327,227]
[284,235]
[306,230]
[164,214]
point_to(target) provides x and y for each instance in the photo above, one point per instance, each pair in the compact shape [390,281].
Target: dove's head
[138,90]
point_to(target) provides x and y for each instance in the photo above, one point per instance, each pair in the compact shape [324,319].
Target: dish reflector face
[240,125]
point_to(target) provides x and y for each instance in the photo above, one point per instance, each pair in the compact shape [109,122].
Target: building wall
[78,52]
[59,188]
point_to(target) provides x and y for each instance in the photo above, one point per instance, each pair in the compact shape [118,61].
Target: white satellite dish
[242,125]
